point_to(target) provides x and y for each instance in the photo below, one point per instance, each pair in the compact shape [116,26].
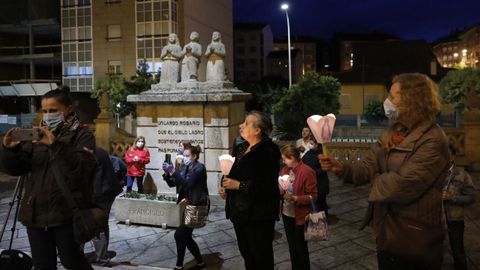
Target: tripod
[17,197]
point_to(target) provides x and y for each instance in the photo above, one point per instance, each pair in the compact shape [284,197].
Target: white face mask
[53,120]
[187,161]
[390,109]
[140,144]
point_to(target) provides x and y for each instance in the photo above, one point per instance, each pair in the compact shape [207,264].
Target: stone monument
[204,113]
[191,58]
[171,55]
[215,54]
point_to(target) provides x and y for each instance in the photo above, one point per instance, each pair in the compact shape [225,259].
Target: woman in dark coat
[252,192]
[191,183]
[44,210]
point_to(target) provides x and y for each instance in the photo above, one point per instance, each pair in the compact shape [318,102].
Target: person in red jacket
[136,157]
[297,199]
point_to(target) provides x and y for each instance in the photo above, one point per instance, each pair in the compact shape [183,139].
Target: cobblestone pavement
[144,247]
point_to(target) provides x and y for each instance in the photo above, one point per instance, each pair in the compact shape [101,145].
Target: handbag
[412,241]
[195,216]
[316,226]
[15,259]
[87,223]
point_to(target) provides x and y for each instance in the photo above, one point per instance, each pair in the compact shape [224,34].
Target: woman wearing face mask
[44,210]
[136,158]
[406,169]
[297,201]
[191,183]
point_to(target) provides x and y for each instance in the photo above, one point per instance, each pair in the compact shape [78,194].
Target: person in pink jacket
[136,157]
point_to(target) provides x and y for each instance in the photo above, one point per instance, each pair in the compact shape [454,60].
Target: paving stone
[227,251]
[328,257]
[369,262]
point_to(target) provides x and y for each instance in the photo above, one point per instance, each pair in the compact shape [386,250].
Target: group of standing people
[414,185]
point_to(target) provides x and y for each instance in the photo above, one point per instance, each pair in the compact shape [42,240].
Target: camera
[29,135]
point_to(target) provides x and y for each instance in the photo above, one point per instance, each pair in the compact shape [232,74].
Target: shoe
[176,268]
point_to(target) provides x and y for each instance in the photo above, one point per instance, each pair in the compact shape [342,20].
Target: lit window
[114,67]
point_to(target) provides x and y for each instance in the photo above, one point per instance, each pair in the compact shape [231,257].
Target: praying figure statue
[215,54]
[191,58]
[171,55]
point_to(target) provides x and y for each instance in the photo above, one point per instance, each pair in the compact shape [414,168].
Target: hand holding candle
[322,128]
[226,163]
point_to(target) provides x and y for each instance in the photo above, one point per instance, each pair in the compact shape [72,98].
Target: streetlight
[285,8]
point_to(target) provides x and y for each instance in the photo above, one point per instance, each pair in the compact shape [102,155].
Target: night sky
[407,19]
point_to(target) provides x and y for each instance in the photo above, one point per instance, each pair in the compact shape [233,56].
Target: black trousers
[254,240]
[184,239]
[297,246]
[321,203]
[44,245]
[455,236]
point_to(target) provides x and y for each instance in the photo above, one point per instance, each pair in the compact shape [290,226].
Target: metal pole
[289,52]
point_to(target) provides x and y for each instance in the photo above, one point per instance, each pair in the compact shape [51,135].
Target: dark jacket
[461,193]
[259,197]
[311,159]
[44,204]
[106,185]
[191,183]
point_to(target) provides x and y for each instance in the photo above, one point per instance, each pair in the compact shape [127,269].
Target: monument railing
[120,143]
[351,150]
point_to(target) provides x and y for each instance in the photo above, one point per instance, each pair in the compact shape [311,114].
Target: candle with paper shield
[226,163]
[284,182]
[322,129]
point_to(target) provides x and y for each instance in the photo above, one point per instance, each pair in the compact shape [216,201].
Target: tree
[374,108]
[117,89]
[458,84]
[313,94]
[265,94]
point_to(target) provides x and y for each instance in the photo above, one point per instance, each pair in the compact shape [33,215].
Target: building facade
[111,37]
[307,52]
[460,49]
[253,42]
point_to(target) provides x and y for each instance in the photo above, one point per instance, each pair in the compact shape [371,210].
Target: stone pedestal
[205,114]
[151,212]
[104,125]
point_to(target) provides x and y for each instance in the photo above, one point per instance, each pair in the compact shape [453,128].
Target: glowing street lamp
[285,8]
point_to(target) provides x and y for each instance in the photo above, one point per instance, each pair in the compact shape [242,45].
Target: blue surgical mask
[180,150]
[187,160]
[390,109]
[53,120]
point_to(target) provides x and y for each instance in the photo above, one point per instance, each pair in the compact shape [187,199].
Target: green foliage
[117,89]
[265,94]
[132,195]
[313,94]
[151,196]
[457,83]
[374,108]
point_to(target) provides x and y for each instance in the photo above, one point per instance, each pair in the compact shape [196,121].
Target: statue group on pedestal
[187,60]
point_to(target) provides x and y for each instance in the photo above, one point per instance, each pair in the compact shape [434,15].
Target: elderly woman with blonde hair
[406,169]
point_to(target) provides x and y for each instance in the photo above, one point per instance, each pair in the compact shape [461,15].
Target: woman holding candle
[406,168]
[297,200]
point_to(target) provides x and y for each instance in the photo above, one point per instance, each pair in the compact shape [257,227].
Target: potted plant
[151,209]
